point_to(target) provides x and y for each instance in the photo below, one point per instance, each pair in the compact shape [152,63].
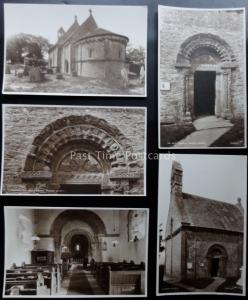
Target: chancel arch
[206,62]
[93,232]
[81,154]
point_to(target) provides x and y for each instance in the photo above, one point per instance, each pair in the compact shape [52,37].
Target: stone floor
[212,287]
[80,282]
[208,130]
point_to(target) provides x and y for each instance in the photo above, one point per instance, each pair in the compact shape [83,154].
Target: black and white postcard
[76,50]
[76,150]
[202,224]
[202,78]
[75,252]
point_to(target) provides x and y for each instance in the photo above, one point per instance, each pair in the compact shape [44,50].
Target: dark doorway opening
[79,248]
[204,93]
[215,267]
[80,188]
[66,66]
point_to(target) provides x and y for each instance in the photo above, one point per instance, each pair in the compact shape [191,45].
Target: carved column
[187,113]
[188,95]
[218,92]
[227,113]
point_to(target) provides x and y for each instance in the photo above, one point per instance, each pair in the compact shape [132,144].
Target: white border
[80,296]
[244,244]
[144,95]
[4,106]
[160,7]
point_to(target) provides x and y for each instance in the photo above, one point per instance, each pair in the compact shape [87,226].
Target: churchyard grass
[71,85]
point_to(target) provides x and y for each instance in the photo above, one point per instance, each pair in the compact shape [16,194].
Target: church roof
[90,29]
[87,29]
[208,213]
[69,32]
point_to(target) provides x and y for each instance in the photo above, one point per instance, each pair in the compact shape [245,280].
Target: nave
[80,281]
[75,252]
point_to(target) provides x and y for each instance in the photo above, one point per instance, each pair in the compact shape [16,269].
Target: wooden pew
[120,278]
[32,279]
[126,282]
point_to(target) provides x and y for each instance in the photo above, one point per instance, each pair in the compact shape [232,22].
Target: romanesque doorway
[204,93]
[217,258]
[66,66]
[205,63]
[215,265]
[81,155]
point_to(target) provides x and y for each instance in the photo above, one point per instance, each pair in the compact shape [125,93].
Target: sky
[45,20]
[219,177]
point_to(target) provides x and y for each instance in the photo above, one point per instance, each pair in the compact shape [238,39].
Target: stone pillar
[226,88]
[57,252]
[187,112]
[218,93]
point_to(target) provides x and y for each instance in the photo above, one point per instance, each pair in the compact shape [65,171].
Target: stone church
[73,150]
[55,251]
[204,237]
[88,50]
[202,64]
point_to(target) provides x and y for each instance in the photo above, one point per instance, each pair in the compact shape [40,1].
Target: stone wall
[19,228]
[23,124]
[198,244]
[100,57]
[173,257]
[178,25]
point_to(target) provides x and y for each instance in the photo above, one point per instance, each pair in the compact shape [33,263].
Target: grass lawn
[171,134]
[72,85]
[229,286]
[234,137]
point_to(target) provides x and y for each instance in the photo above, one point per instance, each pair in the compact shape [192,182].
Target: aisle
[80,282]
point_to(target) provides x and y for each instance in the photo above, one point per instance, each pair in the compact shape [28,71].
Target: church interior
[55,251]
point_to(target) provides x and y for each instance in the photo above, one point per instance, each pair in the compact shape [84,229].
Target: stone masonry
[213,32]
[27,147]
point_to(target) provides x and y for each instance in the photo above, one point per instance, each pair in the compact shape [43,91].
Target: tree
[135,55]
[26,45]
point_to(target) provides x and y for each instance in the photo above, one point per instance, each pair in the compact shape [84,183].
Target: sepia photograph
[202,221]
[77,50]
[202,78]
[80,150]
[75,252]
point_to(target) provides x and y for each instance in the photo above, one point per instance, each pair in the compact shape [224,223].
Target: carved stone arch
[217,258]
[92,240]
[216,247]
[90,218]
[105,143]
[213,45]
[204,40]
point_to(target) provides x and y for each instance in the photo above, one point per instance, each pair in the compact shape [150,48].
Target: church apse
[87,50]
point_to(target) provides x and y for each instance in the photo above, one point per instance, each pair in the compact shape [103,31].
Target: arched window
[77,247]
[90,52]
